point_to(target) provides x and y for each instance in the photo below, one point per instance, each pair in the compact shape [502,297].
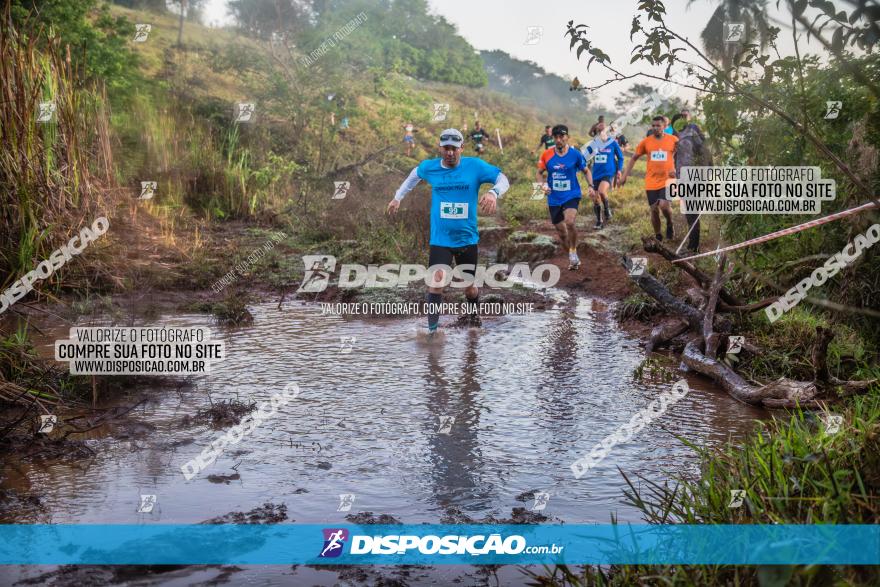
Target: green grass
[45,168]
[638,306]
[787,344]
[792,471]
[23,373]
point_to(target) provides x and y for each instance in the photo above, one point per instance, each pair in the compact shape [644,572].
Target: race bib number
[658,155]
[602,158]
[453,210]
[561,185]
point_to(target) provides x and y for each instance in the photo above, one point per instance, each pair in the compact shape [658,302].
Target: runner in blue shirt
[607,159]
[563,190]
[455,183]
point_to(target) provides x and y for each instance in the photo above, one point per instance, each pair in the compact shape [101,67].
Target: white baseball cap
[451,136]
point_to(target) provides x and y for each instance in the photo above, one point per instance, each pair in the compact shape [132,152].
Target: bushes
[756,136]
[98,42]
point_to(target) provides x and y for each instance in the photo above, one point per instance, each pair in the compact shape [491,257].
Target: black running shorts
[655,196]
[557,213]
[445,255]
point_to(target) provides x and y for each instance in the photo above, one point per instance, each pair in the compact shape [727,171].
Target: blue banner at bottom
[432,544]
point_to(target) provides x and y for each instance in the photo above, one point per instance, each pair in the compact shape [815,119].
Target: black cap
[559,129]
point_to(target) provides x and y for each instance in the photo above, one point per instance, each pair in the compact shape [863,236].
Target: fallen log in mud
[780,393]
[710,331]
[727,302]
[654,288]
[661,335]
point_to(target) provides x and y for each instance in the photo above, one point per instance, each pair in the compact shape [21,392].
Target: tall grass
[218,171]
[45,173]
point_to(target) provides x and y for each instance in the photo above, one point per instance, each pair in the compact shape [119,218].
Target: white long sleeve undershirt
[502,184]
[408,184]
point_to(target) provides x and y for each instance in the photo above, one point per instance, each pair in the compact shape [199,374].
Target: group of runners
[455,193]
[561,164]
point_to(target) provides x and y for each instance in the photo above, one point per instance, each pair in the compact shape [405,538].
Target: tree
[663,46]
[260,18]
[189,10]
[99,43]
[788,99]
[750,13]
[180,23]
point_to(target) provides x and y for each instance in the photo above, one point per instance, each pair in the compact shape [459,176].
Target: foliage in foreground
[792,470]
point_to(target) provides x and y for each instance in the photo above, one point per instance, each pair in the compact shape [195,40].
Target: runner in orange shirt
[660,149]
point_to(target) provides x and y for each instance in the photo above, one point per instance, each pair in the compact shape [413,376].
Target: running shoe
[670,234]
[658,236]
[598,225]
[573,261]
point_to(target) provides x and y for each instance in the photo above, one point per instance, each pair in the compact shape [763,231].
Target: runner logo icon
[142,31]
[318,270]
[47,109]
[340,189]
[833,108]
[734,31]
[334,539]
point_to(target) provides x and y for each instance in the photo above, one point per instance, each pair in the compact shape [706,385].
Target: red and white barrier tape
[785,231]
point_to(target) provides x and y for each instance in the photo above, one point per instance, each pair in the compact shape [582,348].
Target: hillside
[531,84]
[219,68]
[317,122]
[285,161]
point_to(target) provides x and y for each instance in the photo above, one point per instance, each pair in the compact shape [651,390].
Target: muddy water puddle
[452,429]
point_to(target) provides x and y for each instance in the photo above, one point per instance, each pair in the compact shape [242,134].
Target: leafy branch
[661,45]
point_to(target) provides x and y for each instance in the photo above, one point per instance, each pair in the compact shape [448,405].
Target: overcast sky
[504,25]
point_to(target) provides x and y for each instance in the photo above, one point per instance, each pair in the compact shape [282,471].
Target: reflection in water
[558,393]
[529,395]
[452,400]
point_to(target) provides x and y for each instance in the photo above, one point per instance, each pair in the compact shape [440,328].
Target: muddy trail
[464,427]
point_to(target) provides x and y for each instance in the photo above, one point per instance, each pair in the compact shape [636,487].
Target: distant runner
[562,188]
[478,136]
[455,183]
[547,141]
[660,149]
[408,138]
[607,166]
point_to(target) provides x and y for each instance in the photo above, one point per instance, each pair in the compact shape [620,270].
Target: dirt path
[600,274]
